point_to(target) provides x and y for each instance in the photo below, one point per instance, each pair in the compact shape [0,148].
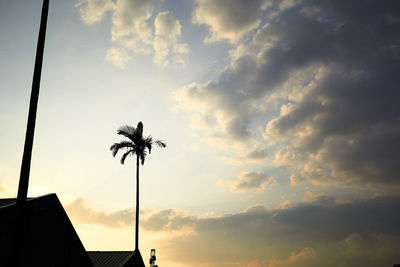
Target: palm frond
[142,156]
[137,136]
[139,128]
[160,143]
[125,155]
[127,131]
[148,142]
[117,146]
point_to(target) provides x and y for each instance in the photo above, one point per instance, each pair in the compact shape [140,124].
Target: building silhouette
[50,239]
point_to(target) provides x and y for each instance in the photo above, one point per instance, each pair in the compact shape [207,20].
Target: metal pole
[18,253]
[30,129]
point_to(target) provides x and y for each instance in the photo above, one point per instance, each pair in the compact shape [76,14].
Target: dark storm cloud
[335,66]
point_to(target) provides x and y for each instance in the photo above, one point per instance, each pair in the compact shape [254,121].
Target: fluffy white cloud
[130,27]
[118,56]
[228,19]
[132,30]
[166,39]
[92,11]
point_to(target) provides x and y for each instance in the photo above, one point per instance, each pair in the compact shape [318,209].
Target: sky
[281,119]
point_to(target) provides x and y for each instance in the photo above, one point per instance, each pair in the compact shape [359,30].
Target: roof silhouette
[115,258]
[50,239]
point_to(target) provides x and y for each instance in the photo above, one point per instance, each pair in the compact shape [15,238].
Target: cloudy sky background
[281,119]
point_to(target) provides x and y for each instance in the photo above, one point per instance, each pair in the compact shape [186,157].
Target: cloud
[303,235]
[249,181]
[302,257]
[223,105]
[152,220]
[344,119]
[82,214]
[257,154]
[285,205]
[296,180]
[92,11]
[119,56]
[284,157]
[242,93]
[228,19]
[132,30]
[321,78]
[165,42]
[357,233]
[313,197]
[168,220]
[130,27]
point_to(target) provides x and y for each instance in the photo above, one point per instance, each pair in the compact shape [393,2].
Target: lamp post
[153,258]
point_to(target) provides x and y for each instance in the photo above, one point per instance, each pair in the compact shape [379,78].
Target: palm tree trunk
[137,204]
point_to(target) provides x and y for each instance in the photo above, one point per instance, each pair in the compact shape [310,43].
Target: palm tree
[138,145]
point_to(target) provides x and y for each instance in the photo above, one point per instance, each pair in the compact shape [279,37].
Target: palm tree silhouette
[139,146]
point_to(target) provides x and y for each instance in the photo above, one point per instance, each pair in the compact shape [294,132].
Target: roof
[49,238]
[7,201]
[42,236]
[109,258]
[116,258]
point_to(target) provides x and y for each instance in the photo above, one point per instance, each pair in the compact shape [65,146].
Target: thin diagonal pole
[30,129]
[17,248]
